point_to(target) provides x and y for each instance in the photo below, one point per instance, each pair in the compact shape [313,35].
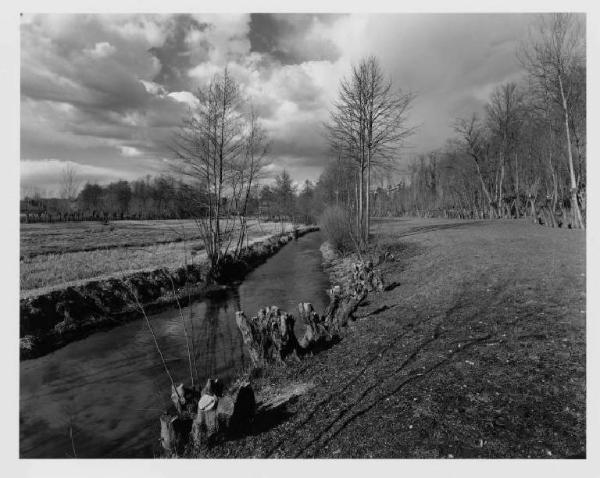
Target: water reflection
[110,387]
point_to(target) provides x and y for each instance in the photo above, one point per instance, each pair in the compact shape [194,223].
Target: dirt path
[477,350]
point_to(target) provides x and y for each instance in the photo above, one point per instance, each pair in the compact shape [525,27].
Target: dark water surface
[110,387]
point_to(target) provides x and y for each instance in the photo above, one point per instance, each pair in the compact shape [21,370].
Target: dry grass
[59,238]
[336,225]
[126,249]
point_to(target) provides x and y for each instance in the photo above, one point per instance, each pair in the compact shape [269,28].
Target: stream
[102,396]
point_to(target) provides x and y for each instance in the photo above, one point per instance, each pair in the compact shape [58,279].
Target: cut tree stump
[269,336]
[317,330]
[184,399]
[201,416]
[174,432]
[212,415]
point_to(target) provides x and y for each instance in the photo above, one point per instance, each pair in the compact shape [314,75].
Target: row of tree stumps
[269,336]
[200,417]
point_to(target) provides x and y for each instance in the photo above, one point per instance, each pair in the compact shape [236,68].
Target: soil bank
[52,320]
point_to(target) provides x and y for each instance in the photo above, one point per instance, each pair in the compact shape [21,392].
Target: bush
[336,225]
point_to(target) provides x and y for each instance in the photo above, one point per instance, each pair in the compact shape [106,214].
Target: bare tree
[249,169]
[69,181]
[553,56]
[220,148]
[386,115]
[472,138]
[530,143]
[504,114]
[368,123]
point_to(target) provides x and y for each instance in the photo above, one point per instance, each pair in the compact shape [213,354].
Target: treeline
[162,197]
[525,156]
[165,197]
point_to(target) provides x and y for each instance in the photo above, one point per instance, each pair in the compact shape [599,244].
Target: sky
[104,93]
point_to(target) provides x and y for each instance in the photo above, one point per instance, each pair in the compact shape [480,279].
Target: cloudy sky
[106,91]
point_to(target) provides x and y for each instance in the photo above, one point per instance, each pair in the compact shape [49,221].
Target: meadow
[476,349]
[59,255]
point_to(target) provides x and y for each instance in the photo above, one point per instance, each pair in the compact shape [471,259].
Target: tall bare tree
[474,142]
[386,115]
[368,123]
[249,168]
[553,56]
[504,115]
[220,148]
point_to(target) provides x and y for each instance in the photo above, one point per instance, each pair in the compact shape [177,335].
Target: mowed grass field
[477,349]
[60,238]
[62,254]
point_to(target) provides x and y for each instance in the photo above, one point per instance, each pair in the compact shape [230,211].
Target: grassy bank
[55,256]
[477,349]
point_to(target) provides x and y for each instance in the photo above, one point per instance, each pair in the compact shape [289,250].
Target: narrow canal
[108,390]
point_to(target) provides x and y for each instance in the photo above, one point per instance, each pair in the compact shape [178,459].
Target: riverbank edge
[52,320]
[279,384]
[338,267]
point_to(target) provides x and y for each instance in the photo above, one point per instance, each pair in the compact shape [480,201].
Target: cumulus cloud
[294,38]
[107,91]
[101,50]
[184,97]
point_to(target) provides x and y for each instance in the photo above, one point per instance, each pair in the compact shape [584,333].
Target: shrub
[336,224]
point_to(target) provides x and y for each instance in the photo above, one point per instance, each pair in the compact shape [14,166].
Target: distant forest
[164,197]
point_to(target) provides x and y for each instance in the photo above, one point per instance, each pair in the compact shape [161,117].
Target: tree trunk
[368,218]
[574,204]
[485,190]
[533,213]
[358,204]
[517,200]
[500,195]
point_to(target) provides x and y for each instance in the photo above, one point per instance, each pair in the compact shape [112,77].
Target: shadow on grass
[391,286]
[410,378]
[439,227]
[323,345]
[272,418]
